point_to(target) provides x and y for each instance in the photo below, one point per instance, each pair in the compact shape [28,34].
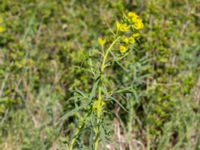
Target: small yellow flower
[125,39]
[122,49]
[132,16]
[131,40]
[135,35]
[101,41]
[122,27]
[138,25]
[2,28]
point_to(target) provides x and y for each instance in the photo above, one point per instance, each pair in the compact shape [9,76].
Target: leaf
[94,89]
[112,98]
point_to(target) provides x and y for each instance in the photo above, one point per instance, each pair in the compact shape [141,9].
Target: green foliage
[49,75]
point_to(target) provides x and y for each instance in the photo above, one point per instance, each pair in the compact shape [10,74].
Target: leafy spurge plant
[125,35]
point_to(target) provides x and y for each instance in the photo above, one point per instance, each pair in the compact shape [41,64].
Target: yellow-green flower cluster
[135,20]
[128,30]
[2,27]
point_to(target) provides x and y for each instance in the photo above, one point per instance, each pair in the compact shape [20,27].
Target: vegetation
[104,74]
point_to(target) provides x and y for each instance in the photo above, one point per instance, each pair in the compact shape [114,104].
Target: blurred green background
[45,52]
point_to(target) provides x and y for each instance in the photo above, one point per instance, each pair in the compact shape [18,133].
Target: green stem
[100,101]
[98,118]
[97,140]
[74,138]
[107,52]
